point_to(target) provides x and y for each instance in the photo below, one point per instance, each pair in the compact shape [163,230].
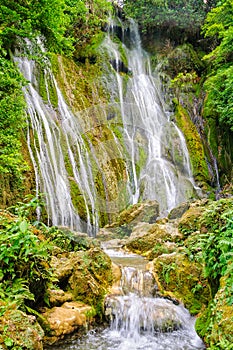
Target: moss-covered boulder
[86,275]
[19,330]
[178,211]
[147,211]
[181,279]
[157,239]
[215,324]
[190,220]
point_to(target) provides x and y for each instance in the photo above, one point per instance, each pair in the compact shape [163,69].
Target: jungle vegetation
[71,28]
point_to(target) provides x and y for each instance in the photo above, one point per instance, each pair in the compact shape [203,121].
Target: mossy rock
[215,323]
[86,275]
[147,211]
[190,220]
[159,239]
[181,279]
[195,147]
[178,211]
[20,331]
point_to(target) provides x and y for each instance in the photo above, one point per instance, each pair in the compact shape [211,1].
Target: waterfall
[92,164]
[166,174]
[54,135]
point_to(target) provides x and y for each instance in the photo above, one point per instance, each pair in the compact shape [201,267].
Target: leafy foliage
[24,261]
[188,15]
[219,86]
[29,19]
[217,245]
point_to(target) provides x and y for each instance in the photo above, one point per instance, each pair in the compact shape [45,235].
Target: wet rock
[150,314]
[66,319]
[117,274]
[178,211]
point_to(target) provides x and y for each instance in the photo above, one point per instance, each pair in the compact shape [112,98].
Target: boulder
[147,211]
[66,319]
[152,240]
[182,279]
[178,211]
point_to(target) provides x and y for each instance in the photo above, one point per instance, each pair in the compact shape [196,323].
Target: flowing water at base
[137,320]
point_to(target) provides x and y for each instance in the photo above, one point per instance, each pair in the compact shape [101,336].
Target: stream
[137,318]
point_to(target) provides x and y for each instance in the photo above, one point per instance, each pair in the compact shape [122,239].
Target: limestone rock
[116,287]
[159,238]
[147,211]
[65,319]
[189,220]
[58,297]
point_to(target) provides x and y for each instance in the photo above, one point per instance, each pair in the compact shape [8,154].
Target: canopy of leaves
[219,85]
[188,15]
[29,19]
[59,22]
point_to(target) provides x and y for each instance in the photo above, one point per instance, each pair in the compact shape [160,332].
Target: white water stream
[137,319]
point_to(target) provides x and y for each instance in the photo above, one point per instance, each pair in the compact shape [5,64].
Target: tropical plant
[25,273]
[219,85]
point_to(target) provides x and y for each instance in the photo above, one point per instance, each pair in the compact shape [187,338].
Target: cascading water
[55,136]
[138,319]
[93,163]
[166,174]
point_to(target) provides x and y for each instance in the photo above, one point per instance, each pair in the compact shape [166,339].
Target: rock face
[183,280]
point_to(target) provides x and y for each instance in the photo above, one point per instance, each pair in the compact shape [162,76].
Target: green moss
[182,280]
[194,144]
[78,82]
[17,331]
[215,323]
[92,278]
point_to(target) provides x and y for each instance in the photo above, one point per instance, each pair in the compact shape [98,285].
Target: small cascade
[141,320]
[138,318]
